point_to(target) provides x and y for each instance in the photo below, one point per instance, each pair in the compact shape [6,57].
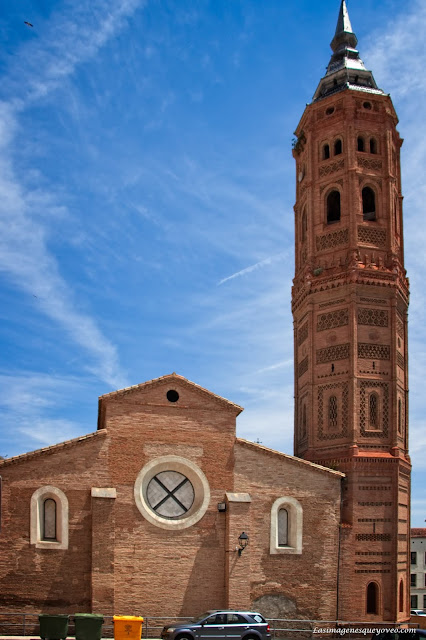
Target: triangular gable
[169,379]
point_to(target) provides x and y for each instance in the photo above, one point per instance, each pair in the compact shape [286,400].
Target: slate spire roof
[345,70]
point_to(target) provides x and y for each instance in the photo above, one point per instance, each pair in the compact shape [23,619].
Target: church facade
[164,511]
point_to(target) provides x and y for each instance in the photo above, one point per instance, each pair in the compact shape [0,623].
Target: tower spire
[345,70]
[344,34]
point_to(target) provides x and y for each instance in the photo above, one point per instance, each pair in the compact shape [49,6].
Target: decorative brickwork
[373,317]
[333,320]
[331,303]
[375,488]
[374,300]
[369,163]
[375,504]
[373,351]
[401,307]
[329,354]
[302,334]
[328,169]
[373,570]
[374,537]
[303,366]
[365,387]
[343,408]
[374,237]
[331,240]
[400,327]
[400,360]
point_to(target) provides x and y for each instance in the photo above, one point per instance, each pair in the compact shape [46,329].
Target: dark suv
[220,625]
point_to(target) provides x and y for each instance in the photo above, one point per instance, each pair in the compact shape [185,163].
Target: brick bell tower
[349,301]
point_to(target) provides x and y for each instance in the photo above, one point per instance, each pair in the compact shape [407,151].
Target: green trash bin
[88,626]
[53,626]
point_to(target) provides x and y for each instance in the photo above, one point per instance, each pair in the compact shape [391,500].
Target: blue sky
[146,201]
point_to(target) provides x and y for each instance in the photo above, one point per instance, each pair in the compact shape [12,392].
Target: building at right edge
[349,301]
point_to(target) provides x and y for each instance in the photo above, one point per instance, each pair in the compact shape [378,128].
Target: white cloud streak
[73,37]
[254,267]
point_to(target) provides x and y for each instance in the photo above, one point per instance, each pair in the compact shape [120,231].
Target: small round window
[170,494]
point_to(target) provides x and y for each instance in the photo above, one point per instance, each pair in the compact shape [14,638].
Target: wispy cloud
[254,267]
[73,37]
[29,402]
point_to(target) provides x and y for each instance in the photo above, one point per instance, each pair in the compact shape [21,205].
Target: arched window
[368,204]
[286,526]
[361,145]
[373,411]
[333,207]
[332,412]
[304,225]
[304,420]
[399,416]
[373,145]
[282,528]
[326,152]
[395,212]
[49,519]
[372,598]
[401,596]
[337,147]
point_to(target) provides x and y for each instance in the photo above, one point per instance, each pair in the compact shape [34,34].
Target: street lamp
[243,540]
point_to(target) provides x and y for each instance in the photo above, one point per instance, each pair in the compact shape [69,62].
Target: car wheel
[184,636]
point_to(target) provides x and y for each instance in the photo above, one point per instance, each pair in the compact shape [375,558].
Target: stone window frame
[191,471]
[37,514]
[294,524]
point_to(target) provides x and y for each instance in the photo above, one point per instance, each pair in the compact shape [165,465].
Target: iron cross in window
[170,494]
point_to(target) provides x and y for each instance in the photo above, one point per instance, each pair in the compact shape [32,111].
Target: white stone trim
[103,492]
[36,515]
[238,497]
[194,475]
[295,526]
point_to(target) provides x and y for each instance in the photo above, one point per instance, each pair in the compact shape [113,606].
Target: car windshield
[202,617]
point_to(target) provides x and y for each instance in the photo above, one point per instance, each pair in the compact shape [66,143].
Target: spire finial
[344,34]
[346,69]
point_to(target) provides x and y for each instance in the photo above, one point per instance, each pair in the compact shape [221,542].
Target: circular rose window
[172,492]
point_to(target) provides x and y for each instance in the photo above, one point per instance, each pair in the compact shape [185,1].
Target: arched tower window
[361,145]
[333,207]
[282,528]
[332,412]
[395,213]
[373,145]
[368,204]
[372,598]
[304,420]
[399,416]
[401,596]
[49,519]
[337,147]
[304,225]
[326,152]
[373,411]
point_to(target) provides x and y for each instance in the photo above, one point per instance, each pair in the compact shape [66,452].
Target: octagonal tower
[349,301]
